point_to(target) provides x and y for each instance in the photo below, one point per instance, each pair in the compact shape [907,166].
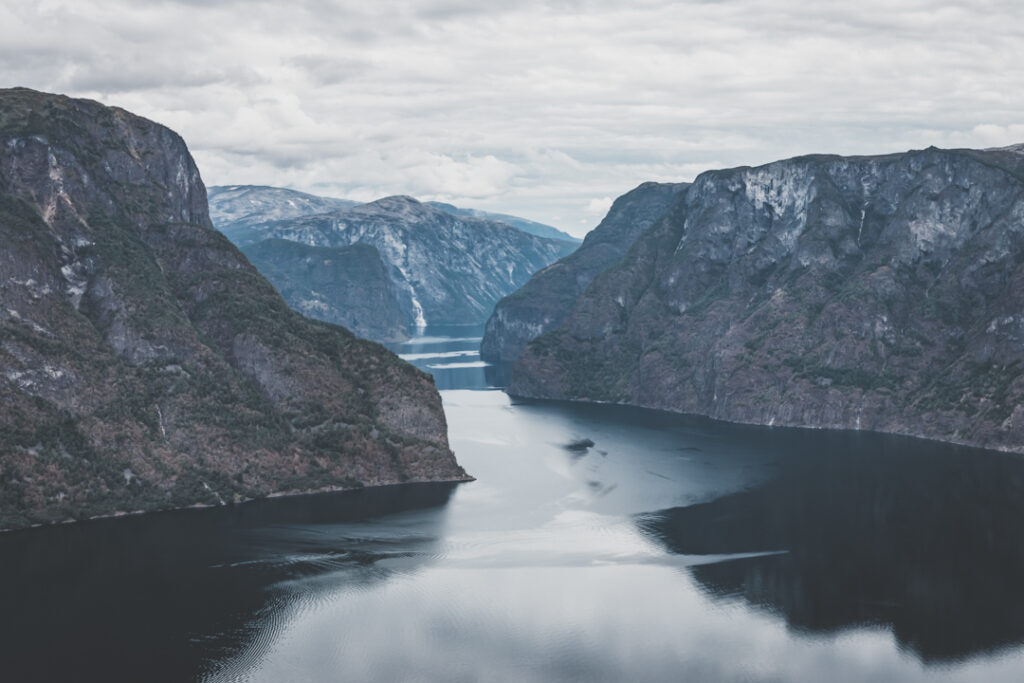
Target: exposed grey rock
[879,293]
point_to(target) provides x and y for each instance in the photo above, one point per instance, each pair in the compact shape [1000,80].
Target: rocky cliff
[447,269]
[145,363]
[348,286]
[879,293]
[547,298]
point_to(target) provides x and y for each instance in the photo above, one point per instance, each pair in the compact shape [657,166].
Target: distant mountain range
[532,227]
[444,267]
[233,207]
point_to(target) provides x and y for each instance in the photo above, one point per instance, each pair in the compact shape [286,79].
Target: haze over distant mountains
[443,266]
[532,227]
[233,207]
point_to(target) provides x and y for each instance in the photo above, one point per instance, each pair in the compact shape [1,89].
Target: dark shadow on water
[923,538]
[136,598]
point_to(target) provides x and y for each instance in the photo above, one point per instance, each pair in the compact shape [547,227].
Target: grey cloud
[528,107]
[329,69]
[110,77]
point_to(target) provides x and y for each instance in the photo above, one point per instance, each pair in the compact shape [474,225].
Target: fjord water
[674,548]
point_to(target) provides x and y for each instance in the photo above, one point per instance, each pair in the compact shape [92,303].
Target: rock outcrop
[145,363]
[545,301]
[879,293]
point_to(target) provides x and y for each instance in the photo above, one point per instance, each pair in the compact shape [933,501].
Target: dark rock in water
[580,445]
[447,269]
[348,286]
[545,301]
[145,363]
[879,293]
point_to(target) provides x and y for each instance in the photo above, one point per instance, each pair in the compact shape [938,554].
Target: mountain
[234,209]
[348,286]
[145,363]
[532,227]
[879,293]
[447,269]
[547,298]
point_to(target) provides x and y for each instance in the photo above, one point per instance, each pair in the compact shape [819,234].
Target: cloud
[532,108]
[598,207]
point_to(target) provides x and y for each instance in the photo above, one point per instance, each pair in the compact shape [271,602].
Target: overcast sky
[546,110]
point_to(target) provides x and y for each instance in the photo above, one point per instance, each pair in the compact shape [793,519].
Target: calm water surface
[672,549]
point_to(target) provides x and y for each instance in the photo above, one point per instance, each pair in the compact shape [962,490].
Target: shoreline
[204,506]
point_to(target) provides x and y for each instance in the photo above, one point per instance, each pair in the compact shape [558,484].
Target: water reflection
[160,597]
[924,539]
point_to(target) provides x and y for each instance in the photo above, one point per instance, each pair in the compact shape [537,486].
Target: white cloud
[533,108]
[598,207]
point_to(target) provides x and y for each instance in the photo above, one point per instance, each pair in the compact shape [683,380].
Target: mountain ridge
[872,293]
[235,206]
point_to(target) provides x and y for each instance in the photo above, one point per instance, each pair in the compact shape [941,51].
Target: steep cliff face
[448,270]
[348,286]
[145,364]
[545,301]
[879,293]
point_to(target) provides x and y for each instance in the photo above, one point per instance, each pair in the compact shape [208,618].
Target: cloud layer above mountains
[540,109]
